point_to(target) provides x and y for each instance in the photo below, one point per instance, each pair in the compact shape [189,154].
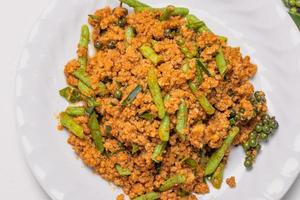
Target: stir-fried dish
[159,105]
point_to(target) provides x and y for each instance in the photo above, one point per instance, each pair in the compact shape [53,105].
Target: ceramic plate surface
[264,31]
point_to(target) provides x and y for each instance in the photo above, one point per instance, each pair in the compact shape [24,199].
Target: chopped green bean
[132,95]
[182,116]
[70,94]
[221,62]
[217,177]
[171,182]
[102,89]
[207,107]
[199,75]
[166,13]
[223,38]
[193,86]
[185,67]
[158,151]
[94,17]
[150,54]
[135,148]
[107,131]
[85,90]
[156,92]
[68,122]
[180,11]
[191,162]
[147,116]
[201,65]
[82,76]
[83,43]
[218,155]
[129,35]
[134,3]
[164,129]
[122,171]
[94,127]
[148,196]
[75,111]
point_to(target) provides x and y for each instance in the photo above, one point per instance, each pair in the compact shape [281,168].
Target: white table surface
[16,182]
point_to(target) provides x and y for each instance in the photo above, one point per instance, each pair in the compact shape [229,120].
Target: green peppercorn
[258,128]
[267,129]
[274,124]
[246,146]
[253,142]
[263,136]
[98,45]
[248,163]
[258,147]
[111,44]
[118,94]
[121,22]
[253,134]
[292,3]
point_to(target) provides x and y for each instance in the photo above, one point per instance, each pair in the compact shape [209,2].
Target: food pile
[158,107]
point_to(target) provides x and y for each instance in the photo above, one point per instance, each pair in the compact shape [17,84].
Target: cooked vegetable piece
[132,95]
[129,35]
[156,92]
[68,122]
[147,116]
[221,62]
[94,127]
[164,129]
[171,182]
[82,76]
[150,54]
[135,148]
[102,89]
[207,107]
[202,67]
[75,111]
[217,177]
[83,43]
[158,151]
[191,162]
[70,94]
[85,90]
[148,196]
[182,115]
[218,155]
[167,12]
[134,3]
[122,171]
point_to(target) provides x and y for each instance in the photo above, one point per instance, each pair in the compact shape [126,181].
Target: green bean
[166,13]
[68,122]
[201,65]
[218,155]
[156,92]
[217,177]
[134,3]
[132,95]
[186,52]
[147,116]
[83,43]
[180,11]
[182,115]
[102,89]
[164,129]
[75,111]
[94,127]
[199,75]
[167,98]
[148,196]
[122,171]
[85,90]
[192,86]
[191,162]
[107,131]
[150,54]
[183,193]
[142,9]
[223,38]
[70,94]
[94,17]
[196,24]
[135,148]
[83,76]
[185,67]
[171,182]
[207,107]
[129,35]
[158,151]
[221,62]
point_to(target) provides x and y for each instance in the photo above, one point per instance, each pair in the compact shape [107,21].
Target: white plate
[263,29]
